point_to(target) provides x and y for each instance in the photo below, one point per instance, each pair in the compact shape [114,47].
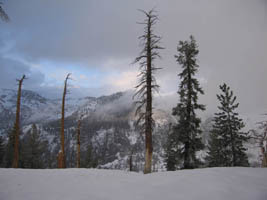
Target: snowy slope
[107,125]
[89,184]
[35,108]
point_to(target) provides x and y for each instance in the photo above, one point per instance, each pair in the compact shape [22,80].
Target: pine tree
[171,156]
[171,159]
[147,83]
[217,157]
[186,133]
[90,160]
[226,144]
[8,158]
[78,162]
[33,149]
[2,151]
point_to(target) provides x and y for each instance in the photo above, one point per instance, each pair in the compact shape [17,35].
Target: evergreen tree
[186,133]
[226,144]
[8,158]
[90,160]
[171,159]
[78,160]
[217,157]
[33,149]
[89,157]
[2,151]
[147,83]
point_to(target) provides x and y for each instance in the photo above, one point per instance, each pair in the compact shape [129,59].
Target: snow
[94,184]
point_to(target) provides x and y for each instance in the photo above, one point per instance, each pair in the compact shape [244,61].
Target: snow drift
[94,184]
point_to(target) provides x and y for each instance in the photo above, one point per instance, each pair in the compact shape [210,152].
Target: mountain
[108,132]
[107,127]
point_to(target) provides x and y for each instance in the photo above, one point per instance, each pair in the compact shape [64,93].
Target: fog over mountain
[108,126]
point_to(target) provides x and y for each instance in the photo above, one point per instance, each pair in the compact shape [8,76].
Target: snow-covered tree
[33,150]
[226,145]
[185,137]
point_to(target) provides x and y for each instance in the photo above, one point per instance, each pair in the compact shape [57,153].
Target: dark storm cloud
[231,34]
[74,31]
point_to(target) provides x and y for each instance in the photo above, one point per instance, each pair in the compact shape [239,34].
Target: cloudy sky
[97,40]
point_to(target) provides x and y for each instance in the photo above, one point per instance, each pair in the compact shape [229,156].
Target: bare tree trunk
[60,159]
[148,119]
[147,83]
[61,155]
[261,138]
[17,126]
[78,144]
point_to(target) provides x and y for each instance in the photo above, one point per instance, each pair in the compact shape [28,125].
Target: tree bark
[62,157]
[147,84]
[15,162]
[148,118]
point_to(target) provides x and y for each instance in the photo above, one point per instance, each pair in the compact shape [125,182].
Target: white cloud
[124,80]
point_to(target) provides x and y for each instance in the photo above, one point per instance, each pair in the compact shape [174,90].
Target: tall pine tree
[185,137]
[226,143]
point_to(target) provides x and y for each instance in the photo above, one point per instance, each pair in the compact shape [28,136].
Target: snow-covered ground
[94,184]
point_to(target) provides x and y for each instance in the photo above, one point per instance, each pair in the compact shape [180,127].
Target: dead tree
[15,162]
[78,144]
[147,82]
[61,155]
[261,140]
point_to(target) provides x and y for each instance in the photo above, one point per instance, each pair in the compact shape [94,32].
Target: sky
[97,41]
